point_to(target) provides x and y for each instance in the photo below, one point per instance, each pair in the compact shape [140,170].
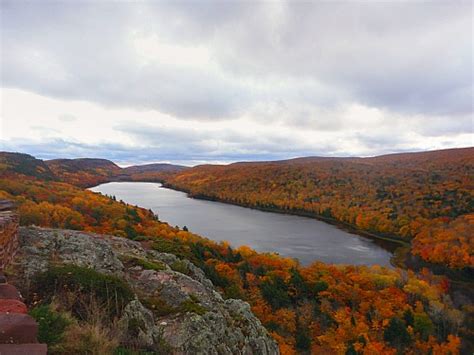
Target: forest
[424,198]
[320,308]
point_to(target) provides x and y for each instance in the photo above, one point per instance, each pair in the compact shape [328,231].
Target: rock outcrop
[179,311]
[8,232]
[18,330]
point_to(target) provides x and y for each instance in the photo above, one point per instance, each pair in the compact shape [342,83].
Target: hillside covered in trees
[320,308]
[83,172]
[426,198]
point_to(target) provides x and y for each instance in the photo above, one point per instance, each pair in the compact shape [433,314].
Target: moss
[180,266]
[141,238]
[51,324]
[161,308]
[192,306]
[146,264]
[158,306]
[193,297]
[112,292]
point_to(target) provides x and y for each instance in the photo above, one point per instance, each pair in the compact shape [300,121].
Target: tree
[423,325]
[396,334]
[408,317]
[275,292]
[303,341]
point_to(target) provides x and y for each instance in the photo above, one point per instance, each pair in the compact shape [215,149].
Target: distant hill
[152,168]
[85,164]
[83,172]
[395,158]
[149,172]
[24,164]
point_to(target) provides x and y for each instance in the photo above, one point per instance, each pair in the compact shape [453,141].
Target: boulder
[17,329]
[8,291]
[12,306]
[23,349]
[138,326]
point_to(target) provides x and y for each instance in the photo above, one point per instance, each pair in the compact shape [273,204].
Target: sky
[194,82]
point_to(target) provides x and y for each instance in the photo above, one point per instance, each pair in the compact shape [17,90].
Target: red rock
[17,328]
[23,349]
[8,291]
[12,306]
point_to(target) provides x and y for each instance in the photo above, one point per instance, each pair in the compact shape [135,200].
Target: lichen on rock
[172,312]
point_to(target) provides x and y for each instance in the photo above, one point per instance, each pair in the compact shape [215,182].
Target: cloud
[65,117]
[84,52]
[236,80]
[407,57]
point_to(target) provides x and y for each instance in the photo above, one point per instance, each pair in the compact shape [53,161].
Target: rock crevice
[172,312]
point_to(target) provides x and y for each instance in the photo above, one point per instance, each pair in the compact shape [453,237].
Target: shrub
[51,324]
[172,246]
[233,291]
[77,284]
[146,264]
[94,339]
[180,266]
[192,306]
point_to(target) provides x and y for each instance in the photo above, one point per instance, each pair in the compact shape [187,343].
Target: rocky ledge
[200,321]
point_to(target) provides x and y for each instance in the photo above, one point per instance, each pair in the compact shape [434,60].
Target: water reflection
[300,237]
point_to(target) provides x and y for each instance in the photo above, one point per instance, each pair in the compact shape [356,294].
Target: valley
[308,306]
[304,238]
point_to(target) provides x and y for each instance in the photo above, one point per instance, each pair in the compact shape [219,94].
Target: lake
[304,238]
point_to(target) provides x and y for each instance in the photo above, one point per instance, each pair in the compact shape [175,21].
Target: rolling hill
[83,172]
[427,197]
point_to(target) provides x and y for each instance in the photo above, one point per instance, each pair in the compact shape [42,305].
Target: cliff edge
[165,304]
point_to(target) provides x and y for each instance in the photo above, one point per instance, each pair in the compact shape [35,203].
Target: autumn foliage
[426,197]
[320,309]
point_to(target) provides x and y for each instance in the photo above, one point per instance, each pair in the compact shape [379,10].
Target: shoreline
[400,248]
[342,225]
[397,260]
[401,256]
[391,245]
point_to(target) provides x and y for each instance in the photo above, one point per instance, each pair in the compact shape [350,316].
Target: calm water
[300,237]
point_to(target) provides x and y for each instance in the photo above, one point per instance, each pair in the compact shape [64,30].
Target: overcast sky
[192,82]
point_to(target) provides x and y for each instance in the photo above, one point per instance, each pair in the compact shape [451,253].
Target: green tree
[408,317]
[423,326]
[396,334]
[275,292]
